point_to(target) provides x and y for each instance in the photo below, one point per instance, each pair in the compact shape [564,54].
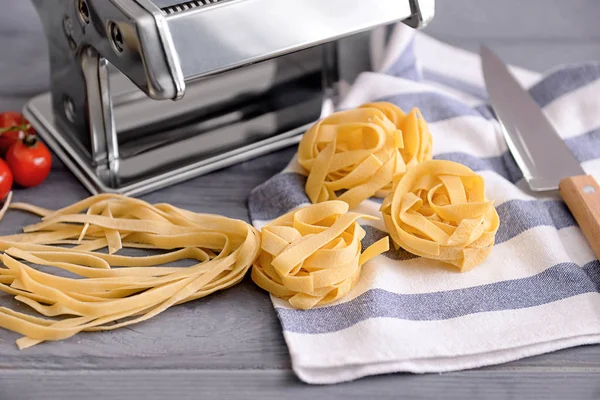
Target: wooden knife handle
[582,196]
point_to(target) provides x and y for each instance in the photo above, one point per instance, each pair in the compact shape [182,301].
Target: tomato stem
[30,140]
[22,128]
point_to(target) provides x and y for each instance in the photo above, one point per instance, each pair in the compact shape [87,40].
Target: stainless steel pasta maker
[148,93]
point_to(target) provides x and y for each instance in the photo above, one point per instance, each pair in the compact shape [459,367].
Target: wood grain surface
[278,385]
[535,34]
[582,196]
[229,345]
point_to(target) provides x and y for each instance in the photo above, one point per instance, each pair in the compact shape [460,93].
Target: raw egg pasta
[439,211]
[313,256]
[356,154]
[112,291]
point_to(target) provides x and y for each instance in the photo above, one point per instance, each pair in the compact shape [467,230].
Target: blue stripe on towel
[584,147]
[436,106]
[552,86]
[456,84]
[503,165]
[277,196]
[406,65]
[564,81]
[516,217]
[559,282]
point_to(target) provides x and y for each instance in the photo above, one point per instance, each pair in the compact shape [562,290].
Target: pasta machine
[148,93]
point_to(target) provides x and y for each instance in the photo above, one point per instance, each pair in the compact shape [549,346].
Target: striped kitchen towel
[539,290]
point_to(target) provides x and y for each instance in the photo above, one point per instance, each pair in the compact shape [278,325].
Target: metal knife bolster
[539,151]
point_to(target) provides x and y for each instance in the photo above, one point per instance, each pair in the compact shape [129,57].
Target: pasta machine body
[149,93]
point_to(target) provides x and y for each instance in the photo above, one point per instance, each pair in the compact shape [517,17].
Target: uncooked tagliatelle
[312,256]
[438,210]
[356,154]
[112,291]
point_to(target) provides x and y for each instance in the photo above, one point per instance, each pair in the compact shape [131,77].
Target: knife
[541,154]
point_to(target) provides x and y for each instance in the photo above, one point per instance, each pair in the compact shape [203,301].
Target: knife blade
[541,154]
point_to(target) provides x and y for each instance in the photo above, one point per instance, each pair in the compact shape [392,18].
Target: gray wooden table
[230,345]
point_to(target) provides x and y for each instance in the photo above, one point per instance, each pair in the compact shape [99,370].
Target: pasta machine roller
[148,93]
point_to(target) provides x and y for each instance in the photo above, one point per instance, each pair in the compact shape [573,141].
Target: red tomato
[30,161]
[6,180]
[13,127]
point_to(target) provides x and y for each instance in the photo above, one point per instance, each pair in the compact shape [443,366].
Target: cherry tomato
[13,127]
[6,180]
[30,161]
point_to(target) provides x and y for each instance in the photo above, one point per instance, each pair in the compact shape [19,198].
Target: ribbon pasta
[360,152]
[103,297]
[312,256]
[438,210]
[309,257]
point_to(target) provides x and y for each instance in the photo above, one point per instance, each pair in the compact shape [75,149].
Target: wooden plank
[26,71]
[266,385]
[541,56]
[516,19]
[535,34]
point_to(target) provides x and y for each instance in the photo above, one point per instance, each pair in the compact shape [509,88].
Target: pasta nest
[360,152]
[439,211]
[312,256]
[111,291]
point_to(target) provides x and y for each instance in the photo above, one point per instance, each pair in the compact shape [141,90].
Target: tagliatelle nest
[438,210]
[360,152]
[313,256]
[110,290]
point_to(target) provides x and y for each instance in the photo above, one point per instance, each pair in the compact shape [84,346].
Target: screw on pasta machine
[84,11]
[116,37]
[69,108]
[68,30]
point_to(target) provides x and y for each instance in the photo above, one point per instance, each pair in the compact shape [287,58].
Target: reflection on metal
[148,93]
[188,5]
